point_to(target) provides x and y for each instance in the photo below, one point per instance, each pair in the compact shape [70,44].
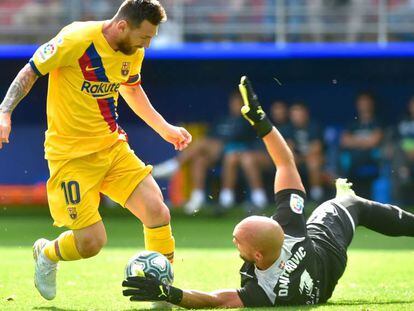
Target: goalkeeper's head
[259,240]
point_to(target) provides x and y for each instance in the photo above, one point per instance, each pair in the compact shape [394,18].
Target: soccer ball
[152,263]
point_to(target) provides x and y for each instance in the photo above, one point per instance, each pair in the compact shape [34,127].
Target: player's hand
[148,288]
[178,136]
[252,110]
[5,128]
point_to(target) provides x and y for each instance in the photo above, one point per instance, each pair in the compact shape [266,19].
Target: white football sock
[197,199]
[226,198]
[258,197]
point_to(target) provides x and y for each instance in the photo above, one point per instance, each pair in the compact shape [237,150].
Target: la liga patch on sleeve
[297,203]
[47,50]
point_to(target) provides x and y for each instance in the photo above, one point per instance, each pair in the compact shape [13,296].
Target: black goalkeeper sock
[382,218]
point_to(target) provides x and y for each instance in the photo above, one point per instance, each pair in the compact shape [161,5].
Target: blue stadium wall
[192,85]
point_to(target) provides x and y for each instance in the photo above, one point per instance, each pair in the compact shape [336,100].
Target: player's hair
[136,11]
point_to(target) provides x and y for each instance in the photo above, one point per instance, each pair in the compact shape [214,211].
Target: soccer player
[89,64]
[287,261]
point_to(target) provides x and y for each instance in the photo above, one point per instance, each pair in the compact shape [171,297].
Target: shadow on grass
[367,302]
[53,309]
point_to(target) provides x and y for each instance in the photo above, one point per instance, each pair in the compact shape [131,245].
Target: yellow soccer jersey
[85,74]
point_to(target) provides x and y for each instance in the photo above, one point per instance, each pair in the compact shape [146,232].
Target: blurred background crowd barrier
[323,53]
[278,21]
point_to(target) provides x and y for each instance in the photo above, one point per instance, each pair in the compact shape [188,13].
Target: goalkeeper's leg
[382,218]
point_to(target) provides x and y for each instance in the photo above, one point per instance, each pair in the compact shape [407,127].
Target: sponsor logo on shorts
[296,203]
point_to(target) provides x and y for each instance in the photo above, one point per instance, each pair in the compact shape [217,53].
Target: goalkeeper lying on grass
[288,261]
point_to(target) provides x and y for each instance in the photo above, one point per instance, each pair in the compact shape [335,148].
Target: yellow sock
[63,248]
[160,240]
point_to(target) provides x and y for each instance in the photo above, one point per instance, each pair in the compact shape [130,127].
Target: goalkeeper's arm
[148,288]
[287,175]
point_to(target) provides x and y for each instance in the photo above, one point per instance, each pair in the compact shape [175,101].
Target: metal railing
[280,21]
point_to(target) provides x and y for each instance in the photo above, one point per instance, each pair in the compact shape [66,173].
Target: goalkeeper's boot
[343,188]
[45,271]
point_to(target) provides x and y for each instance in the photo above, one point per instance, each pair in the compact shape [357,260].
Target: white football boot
[45,271]
[343,188]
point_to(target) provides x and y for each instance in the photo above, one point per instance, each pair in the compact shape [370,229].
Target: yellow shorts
[75,185]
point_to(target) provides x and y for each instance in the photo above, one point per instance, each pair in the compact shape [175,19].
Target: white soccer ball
[152,263]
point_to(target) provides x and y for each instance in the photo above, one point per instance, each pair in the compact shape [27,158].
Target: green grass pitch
[380,273]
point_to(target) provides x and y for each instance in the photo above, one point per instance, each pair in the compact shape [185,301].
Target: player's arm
[225,298]
[19,88]
[150,289]
[138,101]
[287,175]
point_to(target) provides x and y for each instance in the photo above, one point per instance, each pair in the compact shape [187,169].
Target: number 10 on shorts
[71,191]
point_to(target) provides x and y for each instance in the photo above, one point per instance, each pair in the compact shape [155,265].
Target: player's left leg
[314,162]
[382,218]
[129,182]
[147,204]
[231,162]
[253,174]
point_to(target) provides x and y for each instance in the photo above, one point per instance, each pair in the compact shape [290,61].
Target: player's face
[299,115]
[245,252]
[279,112]
[137,38]
[365,105]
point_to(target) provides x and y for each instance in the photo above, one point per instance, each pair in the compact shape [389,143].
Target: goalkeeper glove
[252,111]
[148,288]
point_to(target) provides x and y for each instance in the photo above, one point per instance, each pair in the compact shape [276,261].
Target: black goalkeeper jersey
[300,275]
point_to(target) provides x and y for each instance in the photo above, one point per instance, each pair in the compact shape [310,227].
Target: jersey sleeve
[58,52]
[135,74]
[289,212]
[252,295]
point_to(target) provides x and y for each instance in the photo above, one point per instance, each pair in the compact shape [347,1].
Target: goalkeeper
[288,261]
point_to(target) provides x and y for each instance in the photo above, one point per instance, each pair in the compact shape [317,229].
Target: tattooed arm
[19,88]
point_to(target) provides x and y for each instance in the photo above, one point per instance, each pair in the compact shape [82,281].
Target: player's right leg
[251,169]
[73,194]
[228,179]
[209,154]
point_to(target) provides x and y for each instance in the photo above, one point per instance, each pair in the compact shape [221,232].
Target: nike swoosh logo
[91,69]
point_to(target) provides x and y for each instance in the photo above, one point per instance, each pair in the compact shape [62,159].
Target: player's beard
[125,47]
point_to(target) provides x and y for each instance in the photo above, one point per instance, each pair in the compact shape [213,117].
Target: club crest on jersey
[296,203]
[72,212]
[126,67]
